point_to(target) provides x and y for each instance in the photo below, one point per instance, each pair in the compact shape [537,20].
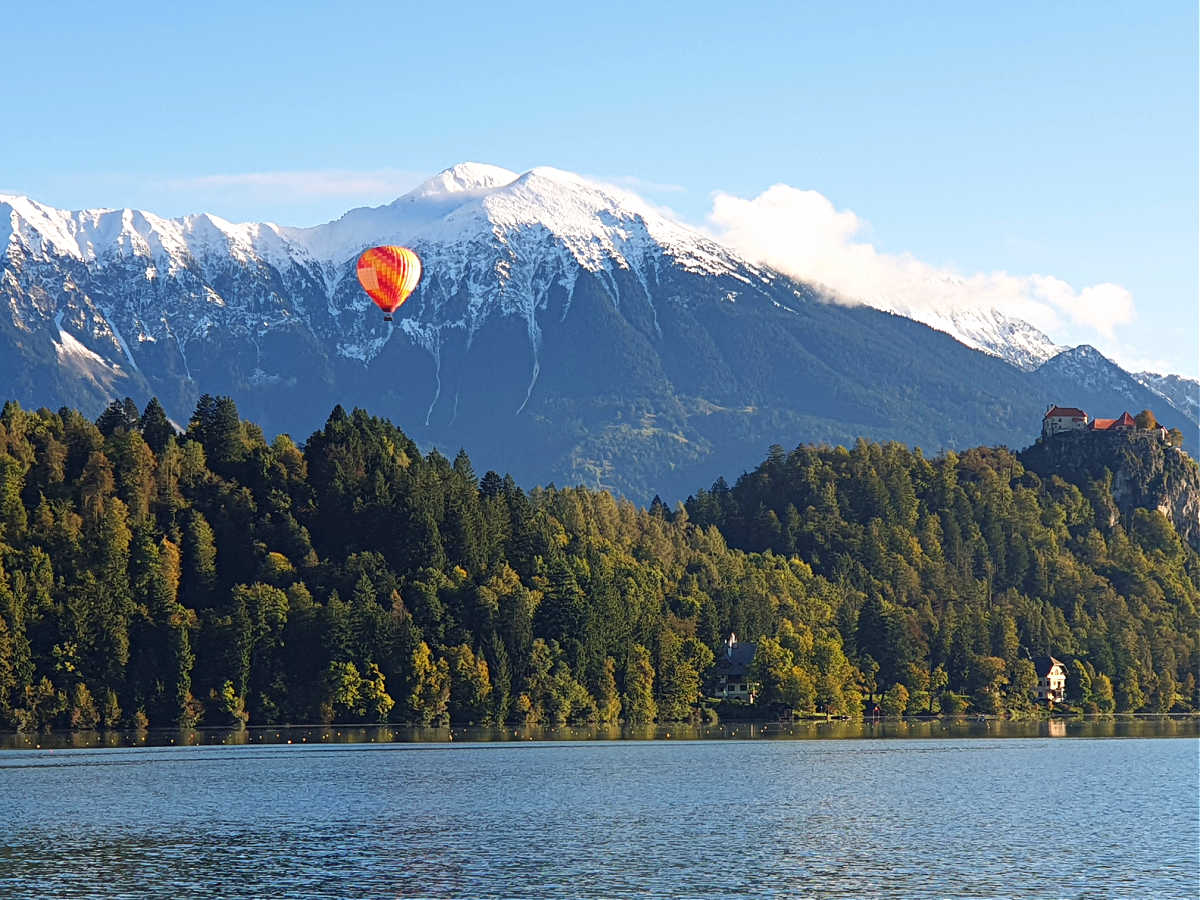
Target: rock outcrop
[1146,472]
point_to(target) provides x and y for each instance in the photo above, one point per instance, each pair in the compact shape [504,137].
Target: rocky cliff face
[1147,473]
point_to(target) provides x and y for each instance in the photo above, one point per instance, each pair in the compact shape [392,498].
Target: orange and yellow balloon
[389,275]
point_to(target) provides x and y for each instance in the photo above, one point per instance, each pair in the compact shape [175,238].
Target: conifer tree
[156,429]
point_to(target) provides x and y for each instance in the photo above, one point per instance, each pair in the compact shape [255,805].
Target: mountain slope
[1097,383]
[1182,393]
[565,330]
[1013,340]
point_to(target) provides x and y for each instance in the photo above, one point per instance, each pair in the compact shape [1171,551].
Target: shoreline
[1181,725]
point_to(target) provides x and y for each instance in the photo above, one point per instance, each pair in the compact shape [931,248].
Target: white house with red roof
[1063,418]
[1069,418]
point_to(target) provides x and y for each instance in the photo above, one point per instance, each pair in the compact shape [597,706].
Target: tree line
[956,571]
[152,576]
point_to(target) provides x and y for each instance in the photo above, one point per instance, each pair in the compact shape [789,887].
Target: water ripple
[871,819]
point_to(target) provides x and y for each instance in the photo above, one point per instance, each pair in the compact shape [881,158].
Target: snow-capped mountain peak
[106,235]
[474,204]
[487,233]
[556,311]
[1182,393]
[495,243]
[988,329]
[1089,369]
[465,177]
[39,227]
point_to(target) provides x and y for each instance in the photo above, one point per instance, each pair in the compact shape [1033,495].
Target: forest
[151,577]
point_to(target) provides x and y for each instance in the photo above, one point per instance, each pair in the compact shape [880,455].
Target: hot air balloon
[389,275]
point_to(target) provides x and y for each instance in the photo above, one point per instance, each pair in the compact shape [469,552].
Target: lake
[929,816]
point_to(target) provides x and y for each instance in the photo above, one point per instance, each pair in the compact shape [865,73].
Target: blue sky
[1024,138]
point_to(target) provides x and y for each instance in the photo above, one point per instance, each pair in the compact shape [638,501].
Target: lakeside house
[731,676]
[1052,680]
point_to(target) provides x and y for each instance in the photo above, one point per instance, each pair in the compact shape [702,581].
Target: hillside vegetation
[215,578]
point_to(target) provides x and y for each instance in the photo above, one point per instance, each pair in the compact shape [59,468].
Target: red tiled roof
[1102,424]
[1126,420]
[1070,411]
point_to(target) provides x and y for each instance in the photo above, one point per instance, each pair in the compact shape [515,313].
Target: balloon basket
[387,318]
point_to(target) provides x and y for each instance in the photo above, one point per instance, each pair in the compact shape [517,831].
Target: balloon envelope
[389,275]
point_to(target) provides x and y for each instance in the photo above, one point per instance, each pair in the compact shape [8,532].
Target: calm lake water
[926,816]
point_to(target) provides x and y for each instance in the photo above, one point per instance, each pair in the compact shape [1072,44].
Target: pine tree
[199,580]
[156,429]
[120,415]
[13,519]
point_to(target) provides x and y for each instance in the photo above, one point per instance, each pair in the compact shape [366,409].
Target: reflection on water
[334,816]
[965,727]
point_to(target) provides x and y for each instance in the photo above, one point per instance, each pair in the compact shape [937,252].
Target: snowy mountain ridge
[1013,340]
[597,222]
[1181,392]
[484,231]
[494,242]
[556,312]
[468,207]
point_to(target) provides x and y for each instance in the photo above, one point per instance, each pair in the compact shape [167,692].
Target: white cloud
[634,183]
[385,183]
[801,233]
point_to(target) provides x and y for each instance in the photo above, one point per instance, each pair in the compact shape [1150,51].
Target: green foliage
[680,671]
[155,578]
[639,687]
[156,429]
[952,704]
[82,707]
[229,705]
[470,685]
[1102,693]
[894,702]
[431,687]
[784,673]
[350,696]
[970,565]
[344,687]
[608,701]
[376,702]
[1022,684]
[110,712]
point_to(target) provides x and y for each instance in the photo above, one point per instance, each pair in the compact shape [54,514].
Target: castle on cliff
[1068,418]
